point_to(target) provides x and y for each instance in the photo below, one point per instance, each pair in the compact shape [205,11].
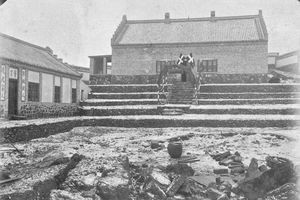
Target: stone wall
[2,113]
[41,110]
[235,78]
[233,58]
[123,79]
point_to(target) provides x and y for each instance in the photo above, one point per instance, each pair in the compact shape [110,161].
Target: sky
[76,29]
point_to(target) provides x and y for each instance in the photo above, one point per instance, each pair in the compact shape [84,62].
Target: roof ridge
[23,42]
[192,19]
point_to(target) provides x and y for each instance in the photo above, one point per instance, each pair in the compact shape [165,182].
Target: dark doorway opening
[183,77]
[13,97]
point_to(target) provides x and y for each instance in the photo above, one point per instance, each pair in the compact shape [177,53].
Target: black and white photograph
[149,100]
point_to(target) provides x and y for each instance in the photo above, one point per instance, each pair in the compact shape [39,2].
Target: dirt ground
[103,146]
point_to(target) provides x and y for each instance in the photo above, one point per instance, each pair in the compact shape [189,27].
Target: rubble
[211,166]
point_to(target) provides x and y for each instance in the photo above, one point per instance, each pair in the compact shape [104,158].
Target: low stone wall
[28,132]
[2,114]
[235,78]
[123,79]
[33,110]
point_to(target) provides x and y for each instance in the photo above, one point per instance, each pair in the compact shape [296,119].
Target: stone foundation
[33,110]
[152,79]
[235,78]
[123,79]
[2,113]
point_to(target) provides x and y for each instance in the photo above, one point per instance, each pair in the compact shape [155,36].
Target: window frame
[34,95]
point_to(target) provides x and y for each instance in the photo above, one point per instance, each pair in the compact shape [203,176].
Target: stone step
[248,95]
[124,88]
[141,95]
[240,88]
[248,101]
[112,102]
[263,109]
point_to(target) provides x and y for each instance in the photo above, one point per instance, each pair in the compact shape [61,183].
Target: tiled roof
[20,51]
[193,30]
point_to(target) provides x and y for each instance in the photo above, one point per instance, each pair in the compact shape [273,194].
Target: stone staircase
[123,99]
[181,93]
[248,99]
[245,102]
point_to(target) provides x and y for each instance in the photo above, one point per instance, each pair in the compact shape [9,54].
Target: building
[100,65]
[220,45]
[34,82]
[272,60]
[84,71]
[289,62]
[84,82]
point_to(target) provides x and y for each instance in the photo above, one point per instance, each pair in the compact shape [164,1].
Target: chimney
[60,59]
[55,56]
[167,17]
[124,18]
[49,50]
[260,12]
[212,13]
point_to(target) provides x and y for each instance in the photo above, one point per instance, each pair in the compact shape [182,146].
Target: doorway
[13,97]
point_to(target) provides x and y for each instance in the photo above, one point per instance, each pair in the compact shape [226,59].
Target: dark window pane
[57,94]
[33,91]
[74,95]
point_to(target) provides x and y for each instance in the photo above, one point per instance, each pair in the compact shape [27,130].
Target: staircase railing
[162,96]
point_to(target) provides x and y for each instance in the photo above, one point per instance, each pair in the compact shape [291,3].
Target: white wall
[47,87]
[66,90]
[287,61]
[57,81]
[33,77]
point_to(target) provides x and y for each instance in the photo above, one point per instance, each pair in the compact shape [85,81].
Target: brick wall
[40,110]
[233,58]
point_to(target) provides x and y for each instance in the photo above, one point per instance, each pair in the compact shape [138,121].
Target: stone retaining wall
[41,110]
[28,132]
[123,79]
[235,78]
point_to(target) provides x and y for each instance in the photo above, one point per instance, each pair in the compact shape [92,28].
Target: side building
[34,83]
[84,82]
[233,45]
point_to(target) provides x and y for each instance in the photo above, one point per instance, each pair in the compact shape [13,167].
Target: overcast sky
[76,29]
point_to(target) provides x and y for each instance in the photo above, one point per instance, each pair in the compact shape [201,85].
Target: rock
[191,187]
[4,175]
[215,194]
[237,170]
[263,168]
[287,191]
[253,170]
[113,188]
[89,180]
[160,178]
[221,156]
[175,185]
[154,144]
[180,169]
[62,195]
[204,180]
[53,158]
[281,172]
[221,171]
[153,188]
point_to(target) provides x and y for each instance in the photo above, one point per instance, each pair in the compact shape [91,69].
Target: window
[74,95]
[208,66]
[57,94]
[160,64]
[33,91]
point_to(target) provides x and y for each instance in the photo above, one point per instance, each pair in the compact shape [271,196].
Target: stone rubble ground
[133,163]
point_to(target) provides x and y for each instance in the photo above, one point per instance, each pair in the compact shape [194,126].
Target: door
[13,97]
